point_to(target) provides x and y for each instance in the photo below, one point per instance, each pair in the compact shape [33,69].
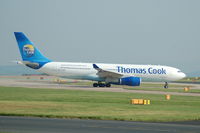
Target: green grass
[144,86]
[190,79]
[159,87]
[96,105]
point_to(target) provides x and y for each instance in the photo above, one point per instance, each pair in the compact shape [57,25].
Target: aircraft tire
[102,85]
[95,85]
[166,85]
[108,85]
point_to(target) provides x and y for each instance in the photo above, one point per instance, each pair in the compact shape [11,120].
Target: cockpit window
[179,71]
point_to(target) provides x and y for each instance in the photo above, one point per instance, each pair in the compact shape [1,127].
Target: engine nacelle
[130,81]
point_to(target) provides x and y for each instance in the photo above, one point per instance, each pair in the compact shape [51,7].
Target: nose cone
[182,75]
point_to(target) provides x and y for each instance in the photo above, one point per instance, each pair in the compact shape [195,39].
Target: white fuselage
[121,74]
[85,71]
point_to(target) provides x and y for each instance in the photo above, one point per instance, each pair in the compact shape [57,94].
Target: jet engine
[130,81]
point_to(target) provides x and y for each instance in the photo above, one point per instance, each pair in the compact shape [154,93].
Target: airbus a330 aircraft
[103,74]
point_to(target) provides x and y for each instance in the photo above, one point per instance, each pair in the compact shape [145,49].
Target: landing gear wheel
[108,85]
[166,85]
[101,85]
[95,85]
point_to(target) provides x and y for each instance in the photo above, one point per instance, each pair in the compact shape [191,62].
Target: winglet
[95,66]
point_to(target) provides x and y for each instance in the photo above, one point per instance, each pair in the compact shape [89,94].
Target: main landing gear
[166,85]
[100,84]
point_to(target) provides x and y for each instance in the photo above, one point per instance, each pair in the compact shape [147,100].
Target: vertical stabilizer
[29,53]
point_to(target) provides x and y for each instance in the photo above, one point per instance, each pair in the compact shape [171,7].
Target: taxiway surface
[21,81]
[51,125]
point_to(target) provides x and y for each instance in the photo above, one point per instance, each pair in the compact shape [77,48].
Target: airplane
[103,74]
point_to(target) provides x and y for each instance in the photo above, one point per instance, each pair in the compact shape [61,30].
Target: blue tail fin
[29,53]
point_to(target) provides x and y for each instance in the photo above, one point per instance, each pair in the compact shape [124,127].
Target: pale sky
[165,32]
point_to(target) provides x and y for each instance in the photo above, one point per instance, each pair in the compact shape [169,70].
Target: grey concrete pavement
[10,124]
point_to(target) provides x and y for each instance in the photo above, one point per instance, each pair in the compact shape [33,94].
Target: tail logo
[28,50]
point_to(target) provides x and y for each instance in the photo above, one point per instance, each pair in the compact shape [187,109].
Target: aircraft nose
[183,75]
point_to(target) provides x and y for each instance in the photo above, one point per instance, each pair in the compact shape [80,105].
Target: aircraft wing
[106,74]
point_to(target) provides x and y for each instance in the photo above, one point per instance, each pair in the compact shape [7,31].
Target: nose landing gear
[166,85]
